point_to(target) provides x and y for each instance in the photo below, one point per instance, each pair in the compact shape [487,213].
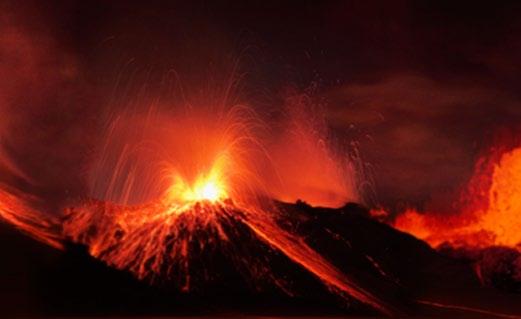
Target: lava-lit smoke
[309,165]
[42,118]
[490,217]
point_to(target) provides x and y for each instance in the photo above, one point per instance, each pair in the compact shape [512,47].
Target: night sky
[421,87]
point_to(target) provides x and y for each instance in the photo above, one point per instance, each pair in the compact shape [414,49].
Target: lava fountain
[489,218]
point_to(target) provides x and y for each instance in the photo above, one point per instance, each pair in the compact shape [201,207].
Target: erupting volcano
[261,158]
[199,211]
[172,189]
[181,199]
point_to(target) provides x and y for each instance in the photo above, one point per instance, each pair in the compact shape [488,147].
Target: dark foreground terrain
[36,280]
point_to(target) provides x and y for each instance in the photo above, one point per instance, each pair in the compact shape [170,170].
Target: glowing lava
[502,216]
[207,187]
[491,217]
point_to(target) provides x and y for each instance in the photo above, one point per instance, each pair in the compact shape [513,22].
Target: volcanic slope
[245,275]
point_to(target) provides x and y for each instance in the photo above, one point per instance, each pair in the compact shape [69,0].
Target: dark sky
[422,86]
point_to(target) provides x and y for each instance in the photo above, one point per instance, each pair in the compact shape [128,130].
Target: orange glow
[502,216]
[493,220]
[309,166]
[210,187]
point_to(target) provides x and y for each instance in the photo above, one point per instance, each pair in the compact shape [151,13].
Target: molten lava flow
[160,242]
[483,223]
[298,251]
